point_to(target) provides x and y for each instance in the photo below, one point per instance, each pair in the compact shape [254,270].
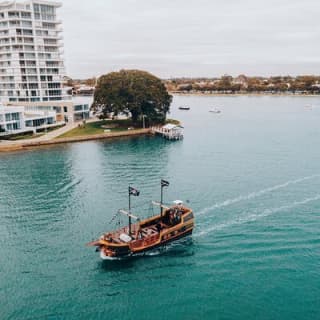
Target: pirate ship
[170,224]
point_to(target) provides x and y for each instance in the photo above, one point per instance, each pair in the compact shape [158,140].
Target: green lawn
[173,121]
[98,128]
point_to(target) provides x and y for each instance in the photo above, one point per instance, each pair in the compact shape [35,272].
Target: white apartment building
[31,60]
[31,52]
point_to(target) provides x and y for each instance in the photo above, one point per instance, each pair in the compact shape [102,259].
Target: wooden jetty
[169,131]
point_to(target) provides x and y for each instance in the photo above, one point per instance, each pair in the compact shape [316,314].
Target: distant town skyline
[191,38]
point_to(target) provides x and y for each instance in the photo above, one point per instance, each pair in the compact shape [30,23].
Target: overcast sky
[192,37]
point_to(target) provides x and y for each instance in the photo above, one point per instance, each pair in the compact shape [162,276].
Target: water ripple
[250,217]
[255,194]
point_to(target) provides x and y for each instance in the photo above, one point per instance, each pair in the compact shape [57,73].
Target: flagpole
[129,211]
[164,183]
[161,200]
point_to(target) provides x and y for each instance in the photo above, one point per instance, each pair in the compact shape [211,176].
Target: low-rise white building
[67,111]
[16,119]
[11,120]
[40,120]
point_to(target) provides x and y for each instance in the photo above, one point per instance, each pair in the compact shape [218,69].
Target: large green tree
[133,92]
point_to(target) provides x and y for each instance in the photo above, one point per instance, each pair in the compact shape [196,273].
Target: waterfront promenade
[52,138]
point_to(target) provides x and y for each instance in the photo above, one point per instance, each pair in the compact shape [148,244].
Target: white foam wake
[249,217]
[254,194]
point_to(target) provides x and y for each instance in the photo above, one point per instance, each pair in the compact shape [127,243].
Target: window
[77,107]
[15,116]
[50,120]
[26,15]
[57,109]
[36,7]
[16,126]
[13,14]
[8,117]
[54,85]
[26,24]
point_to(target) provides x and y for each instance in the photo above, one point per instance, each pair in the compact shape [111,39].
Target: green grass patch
[98,127]
[173,121]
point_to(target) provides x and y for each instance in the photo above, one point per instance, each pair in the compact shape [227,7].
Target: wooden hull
[103,255]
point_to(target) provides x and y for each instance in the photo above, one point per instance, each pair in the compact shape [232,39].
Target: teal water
[252,176]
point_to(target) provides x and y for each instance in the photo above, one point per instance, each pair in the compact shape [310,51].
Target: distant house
[241,80]
[184,87]
[85,90]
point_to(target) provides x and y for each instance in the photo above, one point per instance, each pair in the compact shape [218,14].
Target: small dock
[169,131]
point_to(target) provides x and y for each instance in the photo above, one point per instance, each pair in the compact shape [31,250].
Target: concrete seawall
[18,146]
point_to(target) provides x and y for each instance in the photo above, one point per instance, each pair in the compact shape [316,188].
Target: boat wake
[254,194]
[249,217]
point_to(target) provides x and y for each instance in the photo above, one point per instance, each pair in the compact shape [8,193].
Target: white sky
[192,37]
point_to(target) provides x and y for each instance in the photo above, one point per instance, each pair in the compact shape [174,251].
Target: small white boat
[215,110]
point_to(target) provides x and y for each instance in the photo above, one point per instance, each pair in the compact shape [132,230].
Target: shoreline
[175,93]
[21,146]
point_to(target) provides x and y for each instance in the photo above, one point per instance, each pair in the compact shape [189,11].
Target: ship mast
[164,183]
[133,192]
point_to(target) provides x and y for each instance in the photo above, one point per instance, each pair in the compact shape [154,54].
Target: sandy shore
[19,146]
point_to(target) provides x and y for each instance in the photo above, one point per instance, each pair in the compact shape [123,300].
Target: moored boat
[184,108]
[172,223]
[215,110]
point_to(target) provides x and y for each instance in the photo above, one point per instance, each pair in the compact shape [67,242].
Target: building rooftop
[171,126]
[20,4]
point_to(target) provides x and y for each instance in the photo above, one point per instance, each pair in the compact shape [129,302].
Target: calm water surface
[252,176]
